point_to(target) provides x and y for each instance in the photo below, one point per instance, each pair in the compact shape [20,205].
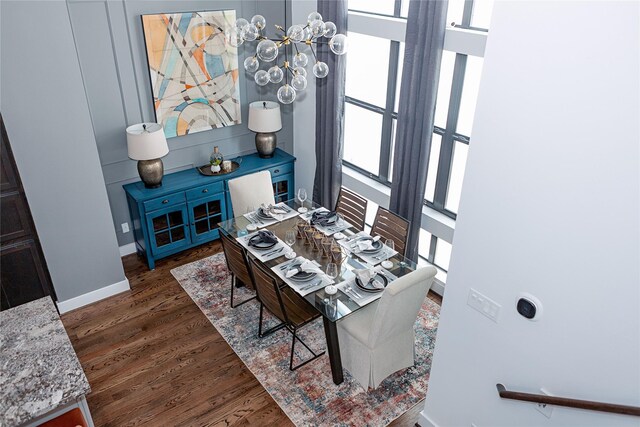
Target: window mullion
[387,119]
[447,144]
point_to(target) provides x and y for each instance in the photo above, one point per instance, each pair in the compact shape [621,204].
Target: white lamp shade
[146,144]
[264,117]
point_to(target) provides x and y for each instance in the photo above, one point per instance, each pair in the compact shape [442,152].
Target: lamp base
[266,144]
[151,172]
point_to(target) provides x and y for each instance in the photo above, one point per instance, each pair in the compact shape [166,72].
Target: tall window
[374,73]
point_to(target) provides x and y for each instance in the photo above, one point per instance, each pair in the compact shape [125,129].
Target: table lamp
[146,143]
[264,119]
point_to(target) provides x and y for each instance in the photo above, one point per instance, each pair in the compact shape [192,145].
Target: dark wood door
[23,271]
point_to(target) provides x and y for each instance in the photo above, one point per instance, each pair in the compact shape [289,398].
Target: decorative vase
[215,160]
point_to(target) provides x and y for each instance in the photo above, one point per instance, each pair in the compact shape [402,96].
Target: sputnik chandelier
[293,40]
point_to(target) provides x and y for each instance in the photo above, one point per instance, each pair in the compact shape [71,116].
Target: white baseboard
[127,249]
[425,421]
[438,287]
[93,296]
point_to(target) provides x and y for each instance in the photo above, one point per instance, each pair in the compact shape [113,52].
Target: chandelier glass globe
[313,16]
[300,60]
[300,70]
[251,64]
[317,28]
[261,77]
[250,32]
[299,82]
[275,74]
[267,50]
[259,22]
[330,29]
[233,38]
[241,23]
[307,33]
[295,33]
[320,69]
[286,94]
[338,44]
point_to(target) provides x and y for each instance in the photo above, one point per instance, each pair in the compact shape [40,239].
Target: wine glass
[290,239]
[249,215]
[332,270]
[391,245]
[302,196]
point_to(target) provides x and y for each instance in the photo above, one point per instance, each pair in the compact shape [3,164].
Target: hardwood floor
[153,358]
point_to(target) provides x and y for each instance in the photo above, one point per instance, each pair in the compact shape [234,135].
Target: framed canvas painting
[193,69]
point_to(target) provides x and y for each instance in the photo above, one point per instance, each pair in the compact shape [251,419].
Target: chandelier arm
[314,54]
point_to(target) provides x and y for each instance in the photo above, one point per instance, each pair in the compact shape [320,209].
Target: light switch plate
[484,305]
[125,227]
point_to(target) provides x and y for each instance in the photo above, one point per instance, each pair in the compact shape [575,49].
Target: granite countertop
[39,370]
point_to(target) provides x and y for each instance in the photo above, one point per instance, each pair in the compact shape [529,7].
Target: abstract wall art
[193,69]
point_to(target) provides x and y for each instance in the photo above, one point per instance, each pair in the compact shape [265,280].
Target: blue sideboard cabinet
[185,211]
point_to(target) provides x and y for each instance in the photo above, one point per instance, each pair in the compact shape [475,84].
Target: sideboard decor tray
[206,169]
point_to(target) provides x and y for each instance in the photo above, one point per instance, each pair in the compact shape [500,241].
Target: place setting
[370,249]
[264,245]
[266,215]
[327,222]
[305,276]
[367,285]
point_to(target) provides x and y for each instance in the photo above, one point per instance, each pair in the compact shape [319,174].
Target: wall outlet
[544,408]
[125,227]
[484,305]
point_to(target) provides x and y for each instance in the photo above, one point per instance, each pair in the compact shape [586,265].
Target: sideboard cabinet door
[168,229]
[204,216]
[283,187]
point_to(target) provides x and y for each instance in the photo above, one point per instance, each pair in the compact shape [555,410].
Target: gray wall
[47,118]
[110,44]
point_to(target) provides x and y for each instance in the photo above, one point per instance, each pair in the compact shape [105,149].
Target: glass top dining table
[332,308]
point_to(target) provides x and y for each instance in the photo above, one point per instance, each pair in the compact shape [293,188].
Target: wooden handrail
[572,403]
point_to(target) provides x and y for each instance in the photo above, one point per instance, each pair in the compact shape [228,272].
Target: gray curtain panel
[330,111]
[421,70]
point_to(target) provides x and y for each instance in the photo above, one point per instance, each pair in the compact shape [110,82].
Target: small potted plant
[215,160]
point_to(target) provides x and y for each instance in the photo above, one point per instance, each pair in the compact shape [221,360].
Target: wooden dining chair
[352,207]
[388,225]
[291,309]
[238,265]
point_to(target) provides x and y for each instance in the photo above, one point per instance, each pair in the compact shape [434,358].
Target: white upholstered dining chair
[378,340]
[251,191]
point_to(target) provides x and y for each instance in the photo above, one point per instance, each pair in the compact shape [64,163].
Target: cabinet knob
[276,171]
[165,201]
[206,190]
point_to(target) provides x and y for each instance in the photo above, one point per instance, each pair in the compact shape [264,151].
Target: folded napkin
[323,218]
[272,211]
[365,275]
[306,266]
[276,209]
[366,244]
[267,236]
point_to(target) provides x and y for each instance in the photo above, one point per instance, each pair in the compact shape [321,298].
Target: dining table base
[333,349]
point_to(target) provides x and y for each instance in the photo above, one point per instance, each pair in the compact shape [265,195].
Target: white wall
[550,206]
[304,112]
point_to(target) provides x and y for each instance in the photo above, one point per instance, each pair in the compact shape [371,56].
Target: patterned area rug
[308,396]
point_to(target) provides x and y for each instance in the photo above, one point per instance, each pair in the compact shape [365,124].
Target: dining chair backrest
[237,261]
[352,207]
[388,225]
[250,191]
[399,305]
[267,289]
